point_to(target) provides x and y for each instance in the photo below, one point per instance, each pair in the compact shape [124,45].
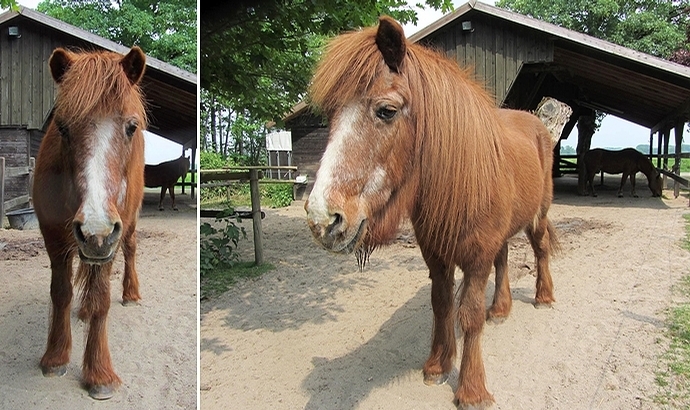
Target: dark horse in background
[88,189]
[628,162]
[165,175]
[413,136]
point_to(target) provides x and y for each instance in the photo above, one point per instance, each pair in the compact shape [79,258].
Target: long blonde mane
[458,153]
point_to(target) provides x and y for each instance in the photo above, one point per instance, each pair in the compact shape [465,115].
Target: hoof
[54,371]
[435,379]
[102,392]
[480,406]
[542,305]
[160,208]
[130,303]
[496,320]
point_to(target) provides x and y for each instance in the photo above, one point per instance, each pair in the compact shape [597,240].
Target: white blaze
[95,205]
[335,150]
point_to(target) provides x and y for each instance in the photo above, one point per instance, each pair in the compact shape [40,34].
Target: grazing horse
[88,189]
[165,175]
[627,161]
[412,135]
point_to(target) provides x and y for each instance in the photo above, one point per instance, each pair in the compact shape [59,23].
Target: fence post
[32,168]
[2,192]
[256,215]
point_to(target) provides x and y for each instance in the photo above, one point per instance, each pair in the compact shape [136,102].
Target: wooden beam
[683,111]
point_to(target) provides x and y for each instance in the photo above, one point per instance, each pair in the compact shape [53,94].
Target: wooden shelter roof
[171,92]
[629,84]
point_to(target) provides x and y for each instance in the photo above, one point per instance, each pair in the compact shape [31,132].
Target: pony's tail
[554,243]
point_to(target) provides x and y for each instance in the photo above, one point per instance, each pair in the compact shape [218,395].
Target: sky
[614,132]
[157,148]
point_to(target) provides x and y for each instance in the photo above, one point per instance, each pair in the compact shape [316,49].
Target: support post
[585,131]
[2,192]
[256,215]
[679,147]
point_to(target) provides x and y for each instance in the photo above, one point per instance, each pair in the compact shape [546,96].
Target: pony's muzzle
[97,248]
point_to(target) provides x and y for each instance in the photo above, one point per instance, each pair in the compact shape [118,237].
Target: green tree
[656,27]
[258,55]
[164,29]
[8,4]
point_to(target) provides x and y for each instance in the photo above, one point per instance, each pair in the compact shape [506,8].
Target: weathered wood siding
[495,49]
[14,147]
[309,139]
[27,90]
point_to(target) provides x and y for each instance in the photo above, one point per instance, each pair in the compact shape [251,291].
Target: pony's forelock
[95,85]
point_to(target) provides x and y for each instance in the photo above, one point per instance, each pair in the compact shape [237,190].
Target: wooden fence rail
[13,172]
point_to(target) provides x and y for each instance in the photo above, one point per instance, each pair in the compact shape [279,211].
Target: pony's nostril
[78,233]
[335,226]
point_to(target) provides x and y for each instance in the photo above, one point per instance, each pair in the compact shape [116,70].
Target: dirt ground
[315,333]
[153,345]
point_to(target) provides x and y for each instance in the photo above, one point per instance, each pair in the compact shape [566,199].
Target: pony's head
[359,87]
[400,115]
[99,118]
[655,183]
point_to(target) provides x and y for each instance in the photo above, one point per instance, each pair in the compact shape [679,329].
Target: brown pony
[165,175]
[88,188]
[628,162]
[411,135]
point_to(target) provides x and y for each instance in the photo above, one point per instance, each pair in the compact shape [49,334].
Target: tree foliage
[258,55]
[656,27]
[8,4]
[164,29]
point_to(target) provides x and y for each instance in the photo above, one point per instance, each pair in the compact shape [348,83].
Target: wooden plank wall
[497,50]
[14,147]
[27,90]
[308,145]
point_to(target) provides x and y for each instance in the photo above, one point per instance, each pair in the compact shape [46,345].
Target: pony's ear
[390,39]
[59,63]
[134,64]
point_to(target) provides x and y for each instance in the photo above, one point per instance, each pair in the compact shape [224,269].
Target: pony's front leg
[503,301]
[130,282]
[97,371]
[55,359]
[632,182]
[160,201]
[472,392]
[443,345]
[620,190]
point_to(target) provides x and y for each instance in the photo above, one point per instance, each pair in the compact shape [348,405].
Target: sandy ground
[315,333]
[153,345]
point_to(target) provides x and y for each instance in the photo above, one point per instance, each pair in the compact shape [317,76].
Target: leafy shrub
[218,247]
[277,195]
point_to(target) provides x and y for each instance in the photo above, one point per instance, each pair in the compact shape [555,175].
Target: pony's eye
[63,130]
[130,128]
[386,113]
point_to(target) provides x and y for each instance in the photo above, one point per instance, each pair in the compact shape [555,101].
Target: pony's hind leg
[98,374]
[472,390]
[443,345]
[171,189]
[542,237]
[55,359]
[500,308]
[130,282]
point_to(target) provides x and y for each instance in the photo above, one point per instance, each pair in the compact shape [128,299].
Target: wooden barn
[27,93]
[521,60]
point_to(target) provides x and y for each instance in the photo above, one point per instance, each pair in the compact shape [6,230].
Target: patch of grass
[673,378]
[220,280]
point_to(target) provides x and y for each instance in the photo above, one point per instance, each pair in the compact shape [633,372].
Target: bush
[218,247]
[277,195]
